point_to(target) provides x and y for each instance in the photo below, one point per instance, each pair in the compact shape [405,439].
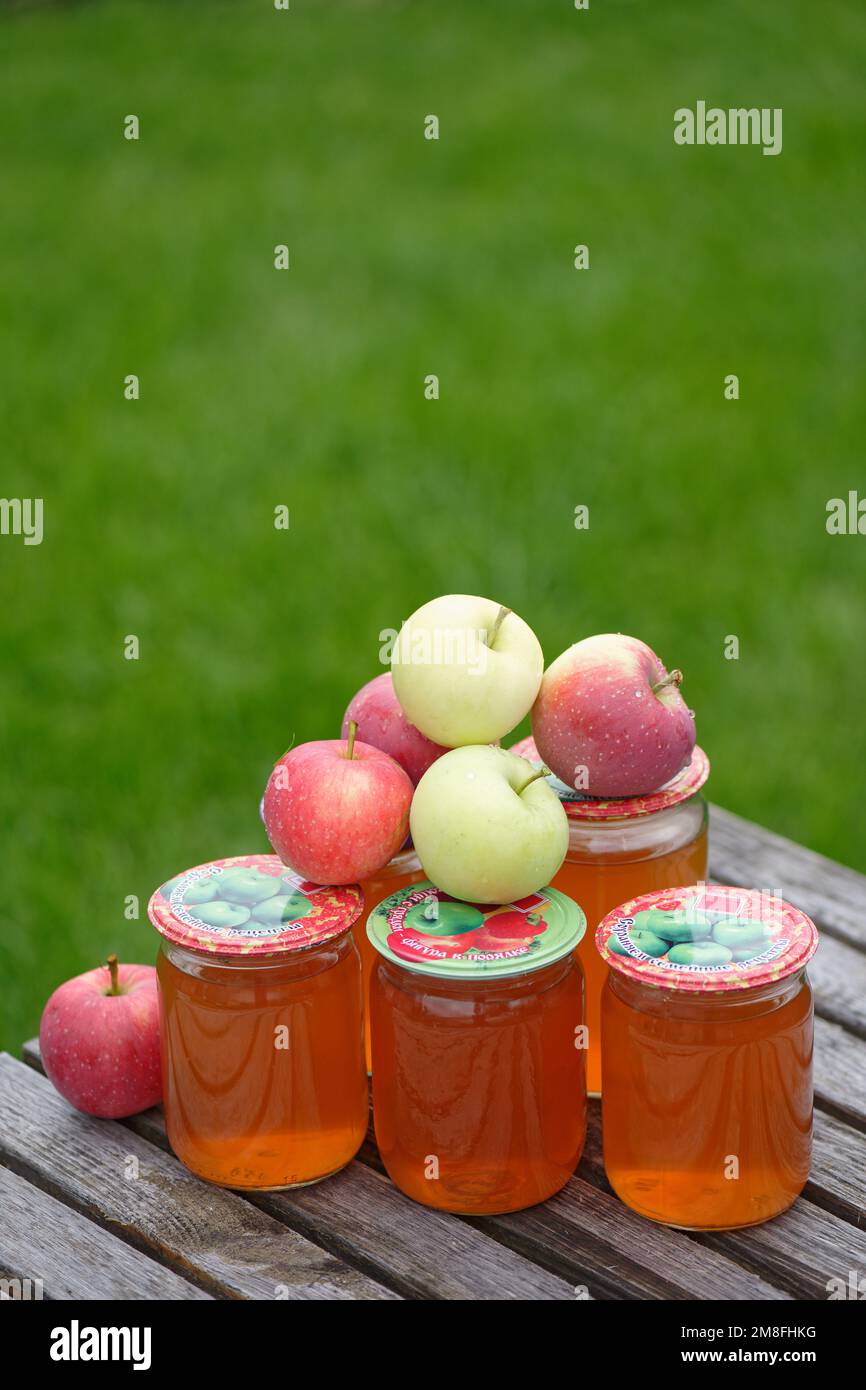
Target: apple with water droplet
[610,719]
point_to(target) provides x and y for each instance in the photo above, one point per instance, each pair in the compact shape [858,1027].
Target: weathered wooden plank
[837,1181]
[41,1239]
[801,1250]
[603,1244]
[365,1220]
[127,1184]
[840,1073]
[425,1253]
[833,895]
[790,1251]
[838,975]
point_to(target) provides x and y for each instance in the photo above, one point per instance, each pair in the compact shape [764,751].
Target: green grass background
[558,387]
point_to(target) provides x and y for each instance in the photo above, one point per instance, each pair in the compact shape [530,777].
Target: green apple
[645,941]
[739,934]
[247,885]
[700,953]
[486,826]
[466,670]
[222,914]
[675,927]
[443,919]
[201,890]
[285,907]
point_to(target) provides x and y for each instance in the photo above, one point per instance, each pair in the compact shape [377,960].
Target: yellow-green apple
[382,723]
[486,825]
[466,670]
[610,720]
[99,1040]
[337,811]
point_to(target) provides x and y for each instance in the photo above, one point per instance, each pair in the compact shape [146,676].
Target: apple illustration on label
[466,670]
[337,811]
[285,907]
[486,826]
[222,916]
[509,931]
[700,953]
[674,927]
[99,1040]
[645,941]
[610,719]
[201,890]
[247,886]
[737,935]
[383,724]
[443,919]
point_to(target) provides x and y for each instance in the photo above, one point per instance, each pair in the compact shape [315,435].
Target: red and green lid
[706,938]
[251,905]
[428,931]
[579,806]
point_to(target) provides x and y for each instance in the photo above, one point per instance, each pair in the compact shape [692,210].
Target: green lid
[428,931]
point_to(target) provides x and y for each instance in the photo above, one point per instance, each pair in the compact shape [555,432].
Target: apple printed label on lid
[251,905]
[581,806]
[426,930]
[707,938]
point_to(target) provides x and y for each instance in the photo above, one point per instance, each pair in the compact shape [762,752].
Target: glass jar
[479,1094]
[403,869]
[620,848]
[707,1033]
[261,1016]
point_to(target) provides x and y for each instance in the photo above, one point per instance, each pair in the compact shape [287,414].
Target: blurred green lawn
[603,387]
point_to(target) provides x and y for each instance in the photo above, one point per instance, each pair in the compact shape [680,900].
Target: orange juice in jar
[707,1055]
[261,1016]
[479,1094]
[619,848]
[402,870]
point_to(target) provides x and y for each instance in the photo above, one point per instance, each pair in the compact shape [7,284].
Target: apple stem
[498,621]
[539,772]
[114,987]
[350,746]
[673,678]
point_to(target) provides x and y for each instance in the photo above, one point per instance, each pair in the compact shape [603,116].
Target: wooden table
[99,1209]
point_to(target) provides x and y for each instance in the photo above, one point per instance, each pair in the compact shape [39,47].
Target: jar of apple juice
[707,1055]
[479,1092]
[261,1017]
[620,847]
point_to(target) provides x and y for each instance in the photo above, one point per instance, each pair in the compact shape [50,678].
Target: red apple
[382,723]
[515,926]
[608,706]
[99,1039]
[335,811]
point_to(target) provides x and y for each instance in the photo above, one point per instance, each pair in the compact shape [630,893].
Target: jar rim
[486,941]
[229,915]
[706,938]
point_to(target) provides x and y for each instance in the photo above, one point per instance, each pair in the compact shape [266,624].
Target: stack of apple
[420,754]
